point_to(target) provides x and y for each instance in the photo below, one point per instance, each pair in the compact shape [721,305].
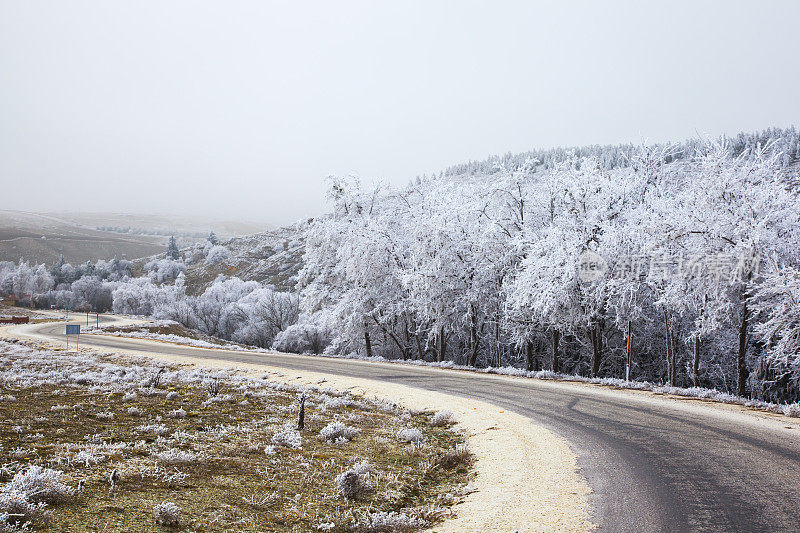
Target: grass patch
[132,437]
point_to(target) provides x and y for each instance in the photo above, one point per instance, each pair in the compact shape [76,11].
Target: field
[42,238]
[100,443]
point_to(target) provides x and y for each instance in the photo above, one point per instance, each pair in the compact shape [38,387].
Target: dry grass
[211,461]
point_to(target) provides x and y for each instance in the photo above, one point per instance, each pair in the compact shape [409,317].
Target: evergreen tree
[172,249]
[212,238]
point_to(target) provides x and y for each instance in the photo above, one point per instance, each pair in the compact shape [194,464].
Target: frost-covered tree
[217,254]
[172,249]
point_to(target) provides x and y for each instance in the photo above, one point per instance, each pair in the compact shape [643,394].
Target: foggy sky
[241,109]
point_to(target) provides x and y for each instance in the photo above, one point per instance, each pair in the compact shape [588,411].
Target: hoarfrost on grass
[167,514]
[409,435]
[442,418]
[338,432]
[288,436]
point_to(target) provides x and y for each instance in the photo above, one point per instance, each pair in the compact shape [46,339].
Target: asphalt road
[654,464]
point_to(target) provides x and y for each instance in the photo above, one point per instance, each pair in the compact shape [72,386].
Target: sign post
[74,329]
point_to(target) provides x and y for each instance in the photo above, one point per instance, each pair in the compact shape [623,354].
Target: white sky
[241,109]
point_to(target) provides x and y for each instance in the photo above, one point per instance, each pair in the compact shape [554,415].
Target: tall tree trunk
[367,342]
[674,365]
[473,340]
[696,362]
[387,333]
[420,354]
[556,340]
[596,336]
[529,356]
[741,357]
[497,342]
[440,353]
[667,337]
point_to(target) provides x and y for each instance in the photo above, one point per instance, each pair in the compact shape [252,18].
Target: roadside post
[74,329]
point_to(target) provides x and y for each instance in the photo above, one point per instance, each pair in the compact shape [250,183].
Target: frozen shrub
[212,387]
[410,435]
[167,514]
[442,418]
[269,449]
[303,338]
[338,432]
[16,509]
[177,457]
[129,397]
[172,395]
[227,398]
[363,468]
[87,459]
[154,380]
[134,411]
[353,484]
[217,254]
[41,485]
[793,409]
[455,456]
[177,413]
[335,403]
[159,429]
[388,522]
[288,436]
[106,415]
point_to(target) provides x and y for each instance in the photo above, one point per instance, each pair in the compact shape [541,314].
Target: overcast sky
[241,109]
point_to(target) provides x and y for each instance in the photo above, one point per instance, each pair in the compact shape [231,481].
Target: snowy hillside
[272,257]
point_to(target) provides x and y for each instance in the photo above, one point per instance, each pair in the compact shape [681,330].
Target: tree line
[692,252]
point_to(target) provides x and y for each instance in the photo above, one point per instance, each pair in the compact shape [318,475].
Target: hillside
[44,237]
[40,238]
[276,256]
[273,257]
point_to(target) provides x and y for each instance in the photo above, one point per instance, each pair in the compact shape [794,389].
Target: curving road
[655,464]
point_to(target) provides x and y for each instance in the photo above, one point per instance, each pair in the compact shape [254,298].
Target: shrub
[455,456]
[388,522]
[353,484]
[167,514]
[159,429]
[217,254]
[212,387]
[442,418]
[338,432]
[41,485]
[174,456]
[410,435]
[16,509]
[288,436]
[792,409]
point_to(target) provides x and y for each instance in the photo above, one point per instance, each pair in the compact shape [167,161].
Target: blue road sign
[73,329]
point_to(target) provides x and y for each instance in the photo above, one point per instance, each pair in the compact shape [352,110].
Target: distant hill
[44,237]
